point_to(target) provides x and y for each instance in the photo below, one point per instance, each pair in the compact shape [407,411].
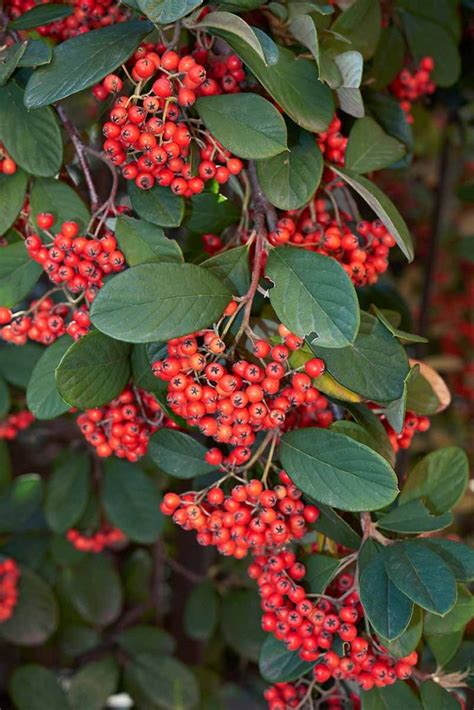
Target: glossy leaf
[234,24]
[35,617]
[433,695]
[211,213]
[361,24]
[16,364]
[335,527]
[165,11]
[58,198]
[158,205]
[320,570]
[42,396]
[336,470]
[391,697]
[143,242]
[201,611]
[370,148]
[427,38]
[388,59]
[67,492]
[18,274]
[414,517]
[93,587]
[410,638]
[304,29]
[40,15]
[278,665]
[460,615]
[459,557]
[231,267]
[440,478]
[10,59]
[178,454]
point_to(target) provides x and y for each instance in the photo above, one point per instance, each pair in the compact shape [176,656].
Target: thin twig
[80,149]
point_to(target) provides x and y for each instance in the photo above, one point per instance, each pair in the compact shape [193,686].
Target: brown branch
[80,149]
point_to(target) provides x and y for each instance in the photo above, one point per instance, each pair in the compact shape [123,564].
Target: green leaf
[178,454]
[358,433]
[92,685]
[67,492]
[163,301]
[211,213]
[387,608]
[49,195]
[289,180]
[422,575]
[235,25]
[34,687]
[278,665]
[370,148]
[388,59]
[146,639]
[361,24]
[37,53]
[433,695]
[370,421]
[240,620]
[40,15]
[158,205]
[440,478]
[388,113]
[35,617]
[12,198]
[336,528]
[164,12]
[131,501]
[18,273]
[401,334]
[410,638]
[421,397]
[93,371]
[201,611]
[293,83]
[231,267]
[413,517]
[84,60]
[375,365]
[32,138]
[5,400]
[426,38]
[312,294]
[20,502]
[350,65]
[459,557]
[42,396]
[320,570]
[246,124]
[143,242]
[336,470]
[444,646]
[391,697]
[382,206]
[456,619]
[303,28]
[93,588]
[17,363]
[9,60]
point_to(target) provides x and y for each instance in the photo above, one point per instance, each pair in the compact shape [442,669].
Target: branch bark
[80,149]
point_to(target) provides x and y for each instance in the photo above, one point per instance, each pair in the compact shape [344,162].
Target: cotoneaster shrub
[218,482]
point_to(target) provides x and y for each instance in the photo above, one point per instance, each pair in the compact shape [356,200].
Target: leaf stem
[80,149]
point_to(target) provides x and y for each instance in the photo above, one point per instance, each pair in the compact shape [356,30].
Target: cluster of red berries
[149,136]
[107,536]
[332,143]
[9,576]
[77,261]
[409,86]
[44,322]
[413,423]
[362,249]
[311,627]
[123,426]
[87,15]
[282,696]
[231,403]
[248,518]
[7,164]
[224,75]
[15,423]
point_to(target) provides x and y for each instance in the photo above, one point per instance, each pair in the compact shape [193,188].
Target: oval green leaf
[12,198]
[178,454]
[158,205]
[42,396]
[18,273]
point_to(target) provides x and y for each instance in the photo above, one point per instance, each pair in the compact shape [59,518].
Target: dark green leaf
[370,421]
[211,213]
[143,242]
[84,60]
[235,25]
[336,470]
[303,28]
[163,683]
[163,301]
[67,492]
[17,363]
[5,400]
[312,294]
[370,148]
[9,60]
[37,53]
[201,611]
[158,205]
[444,646]
[387,608]
[375,365]
[164,12]
[388,113]
[410,638]
[358,433]
[440,478]
[350,65]
[178,454]
[20,502]
[40,15]
[460,615]
[93,588]
[421,397]
[392,697]
[382,206]
[278,665]
[422,575]
[42,396]
[459,557]
[231,268]
[361,24]
[401,334]
[35,616]
[413,517]
[336,528]
[426,38]
[320,570]
[289,180]
[388,59]
[93,371]
[58,198]
[18,273]
[131,501]
[241,625]
[146,639]
[92,685]
[12,198]
[433,695]
[34,687]
[246,124]
[32,138]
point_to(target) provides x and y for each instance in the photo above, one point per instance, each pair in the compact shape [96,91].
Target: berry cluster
[44,322]
[9,576]
[285,695]
[87,15]
[123,426]
[362,249]
[332,143]
[248,518]
[7,164]
[312,627]
[232,402]
[77,261]
[224,75]
[107,536]
[149,135]
[409,86]
[15,423]
[413,423]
